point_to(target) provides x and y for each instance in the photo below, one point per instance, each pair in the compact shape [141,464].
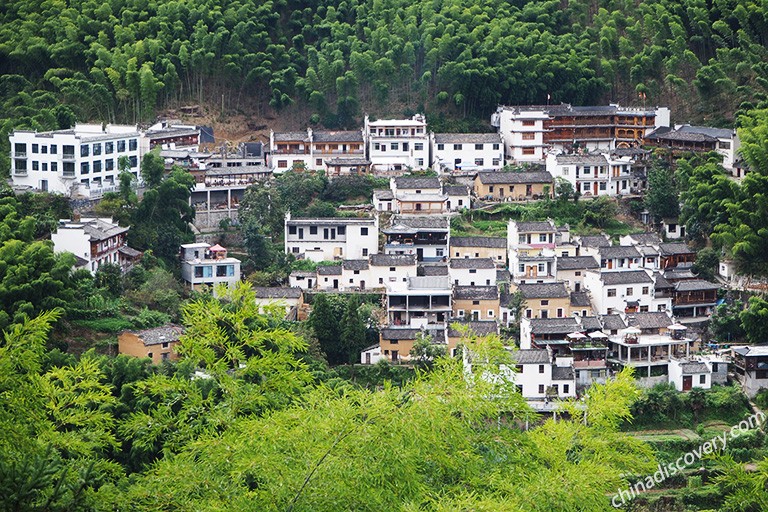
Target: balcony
[68,174]
[596,363]
[68,157]
[19,172]
[20,154]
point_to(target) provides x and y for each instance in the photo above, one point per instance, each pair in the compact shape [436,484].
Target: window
[566,389]
[96,149]
[490,188]
[97,166]
[35,148]
[541,368]
[376,146]
[54,149]
[363,232]
[417,146]
[566,171]
[84,149]
[132,145]
[439,253]
[478,147]
[495,147]
[587,170]
[282,164]
[521,268]
[541,389]
[54,166]
[365,251]
[545,302]
[395,146]
[645,290]
[420,162]
[529,136]
[529,123]
[643,309]
[724,145]
[121,146]
[578,273]
[391,269]
[165,344]
[109,165]
[405,146]
[292,230]
[109,148]
[134,161]
[457,147]
[84,168]
[45,166]
[602,185]
[490,313]
[318,161]
[529,151]
[35,166]
[475,302]
[559,312]
[611,292]
[543,237]
[496,162]
[44,150]
[479,161]
[702,379]
[630,291]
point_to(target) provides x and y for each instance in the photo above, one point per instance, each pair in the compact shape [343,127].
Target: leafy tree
[110,278]
[754,320]
[661,198]
[325,323]
[353,333]
[599,211]
[725,324]
[425,352]
[706,265]
[152,169]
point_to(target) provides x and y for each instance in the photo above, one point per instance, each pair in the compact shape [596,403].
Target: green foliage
[754,320]
[353,334]
[661,198]
[707,262]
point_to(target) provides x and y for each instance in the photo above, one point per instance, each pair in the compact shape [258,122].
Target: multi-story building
[219,190]
[546,300]
[694,298]
[571,270]
[172,134]
[685,138]
[290,150]
[397,145]
[336,152]
[476,302]
[205,267]
[750,364]
[425,302]
[426,237]
[472,271]
[624,291]
[529,131]
[418,196]
[532,250]
[588,174]
[80,162]
[325,239]
[466,151]
[94,242]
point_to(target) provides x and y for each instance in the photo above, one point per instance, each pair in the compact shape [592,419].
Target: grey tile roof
[502,178]
[475,293]
[646,238]
[594,241]
[647,251]
[502,275]
[562,373]
[554,325]
[479,241]
[649,320]
[277,292]
[435,270]
[384,194]
[394,333]
[165,334]
[349,160]
[409,183]
[661,282]
[678,273]
[530,356]
[392,260]
[590,323]
[613,322]
[422,222]
[456,190]
[580,299]
[329,270]
[619,251]
[129,252]
[616,277]
[354,264]
[543,290]
[581,160]
[472,263]
[99,230]
[694,367]
[291,137]
[467,138]
[576,263]
[535,226]
[720,133]
[477,328]
[680,136]
[671,249]
[695,285]
[338,136]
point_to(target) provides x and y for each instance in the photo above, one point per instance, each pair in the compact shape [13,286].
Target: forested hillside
[121,60]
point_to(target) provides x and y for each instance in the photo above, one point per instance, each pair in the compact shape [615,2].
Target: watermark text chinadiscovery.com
[717,443]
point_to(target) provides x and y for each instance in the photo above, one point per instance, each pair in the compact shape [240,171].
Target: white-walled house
[571,270]
[397,145]
[622,291]
[206,267]
[588,174]
[466,151]
[459,197]
[80,161]
[472,271]
[686,375]
[325,239]
[93,241]
[522,132]
[750,364]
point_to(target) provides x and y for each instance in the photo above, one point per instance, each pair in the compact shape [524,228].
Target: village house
[396,343]
[466,151]
[418,196]
[355,275]
[571,270]
[476,302]
[676,254]
[392,270]
[545,300]
[94,242]
[513,186]
[494,248]
[684,139]
[549,333]
[304,279]
[459,197]
[158,344]
[694,298]
[287,301]
[339,153]
[290,150]
[426,237]
[424,302]
[397,145]
[623,291]
[615,257]
[329,277]
[750,364]
[588,174]
[206,267]
[532,245]
[460,332]
[472,271]
[78,162]
[325,239]
[172,134]
[689,374]
[219,189]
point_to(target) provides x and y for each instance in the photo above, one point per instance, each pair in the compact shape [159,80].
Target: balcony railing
[20,154]
[68,174]
[598,363]
[68,157]
[19,172]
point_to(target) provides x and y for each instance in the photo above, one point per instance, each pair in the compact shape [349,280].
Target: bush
[147,319]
